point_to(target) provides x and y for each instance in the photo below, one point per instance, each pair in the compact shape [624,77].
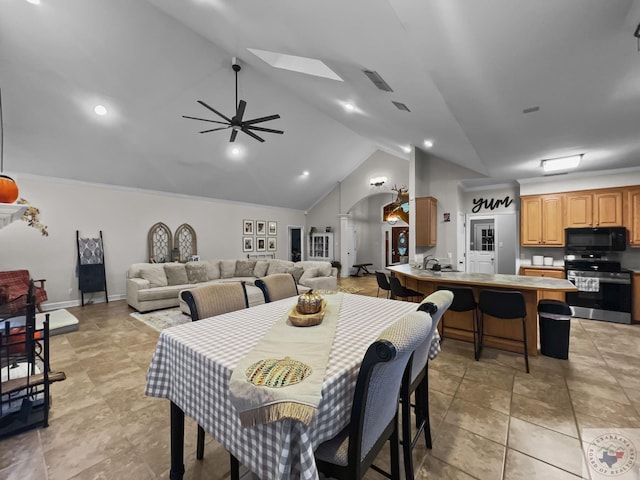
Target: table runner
[311,346]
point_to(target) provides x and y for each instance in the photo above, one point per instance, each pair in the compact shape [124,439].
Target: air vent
[401,106]
[377,80]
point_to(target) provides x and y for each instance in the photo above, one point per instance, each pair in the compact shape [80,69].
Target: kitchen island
[498,333]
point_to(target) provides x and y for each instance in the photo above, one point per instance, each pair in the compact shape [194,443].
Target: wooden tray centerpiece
[309,310]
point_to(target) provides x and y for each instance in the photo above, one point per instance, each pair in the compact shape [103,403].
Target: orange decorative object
[8,189]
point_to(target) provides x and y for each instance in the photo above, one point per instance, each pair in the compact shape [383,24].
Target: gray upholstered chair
[374,413]
[277,286]
[417,382]
[209,301]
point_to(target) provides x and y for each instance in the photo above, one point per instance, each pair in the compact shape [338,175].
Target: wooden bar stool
[505,304]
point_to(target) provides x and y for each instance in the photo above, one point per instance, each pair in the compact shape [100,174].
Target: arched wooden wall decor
[186,242]
[160,246]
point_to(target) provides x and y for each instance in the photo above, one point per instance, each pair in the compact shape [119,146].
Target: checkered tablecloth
[193,363]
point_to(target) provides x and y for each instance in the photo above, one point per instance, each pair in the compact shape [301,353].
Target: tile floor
[490,420]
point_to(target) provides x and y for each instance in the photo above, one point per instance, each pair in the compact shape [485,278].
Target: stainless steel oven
[604,290]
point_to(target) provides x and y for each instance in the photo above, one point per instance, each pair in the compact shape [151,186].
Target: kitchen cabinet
[541,220]
[594,209]
[549,273]
[321,246]
[633,218]
[426,221]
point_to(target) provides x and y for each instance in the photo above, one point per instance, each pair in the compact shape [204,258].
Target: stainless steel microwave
[595,240]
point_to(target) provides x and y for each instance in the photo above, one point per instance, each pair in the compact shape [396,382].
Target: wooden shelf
[10,212]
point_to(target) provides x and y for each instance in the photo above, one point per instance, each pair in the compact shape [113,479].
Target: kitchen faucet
[427,259]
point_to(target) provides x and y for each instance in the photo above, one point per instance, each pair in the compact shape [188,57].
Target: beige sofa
[152,286]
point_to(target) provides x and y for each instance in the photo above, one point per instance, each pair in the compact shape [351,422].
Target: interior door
[462,235]
[482,254]
[399,243]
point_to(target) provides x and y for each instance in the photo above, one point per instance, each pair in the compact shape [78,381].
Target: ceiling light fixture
[377,181]
[428,143]
[349,107]
[34,2]
[406,149]
[392,219]
[561,163]
[305,173]
[100,110]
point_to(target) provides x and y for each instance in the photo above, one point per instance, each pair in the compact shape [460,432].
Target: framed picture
[261,227]
[273,228]
[247,244]
[271,244]
[261,244]
[247,227]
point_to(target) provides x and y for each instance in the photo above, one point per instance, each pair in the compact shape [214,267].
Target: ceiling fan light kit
[236,123]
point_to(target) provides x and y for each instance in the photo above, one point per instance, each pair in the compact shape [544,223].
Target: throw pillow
[227,268]
[155,275]
[176,274]
[296,272]
[196,272]
[279,266]
[260,270]
[244,268]
[324,270]
[213,269]
[308,273]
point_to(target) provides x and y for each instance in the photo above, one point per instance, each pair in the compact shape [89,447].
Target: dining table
[193,363]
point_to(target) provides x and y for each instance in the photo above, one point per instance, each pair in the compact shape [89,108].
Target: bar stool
[397,290]
[383,283]
[505,304]
[464,301]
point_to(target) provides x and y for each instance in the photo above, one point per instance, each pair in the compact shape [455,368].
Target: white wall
[124,216]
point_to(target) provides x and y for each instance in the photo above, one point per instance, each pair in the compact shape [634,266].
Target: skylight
[310,66]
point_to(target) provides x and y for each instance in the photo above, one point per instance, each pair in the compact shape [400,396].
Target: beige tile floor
[490,420]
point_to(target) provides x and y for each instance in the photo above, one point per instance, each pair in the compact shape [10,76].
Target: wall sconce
[561,163]
[377,181]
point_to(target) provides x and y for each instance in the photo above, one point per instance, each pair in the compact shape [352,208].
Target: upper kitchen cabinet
[541,220]
[633,218]
[594,209]
[426,221]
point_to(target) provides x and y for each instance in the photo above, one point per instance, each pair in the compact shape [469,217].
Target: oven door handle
[609,281]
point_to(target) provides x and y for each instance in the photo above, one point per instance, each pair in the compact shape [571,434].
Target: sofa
[152,286]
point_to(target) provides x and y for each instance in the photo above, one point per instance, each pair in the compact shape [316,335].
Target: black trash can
[555,325]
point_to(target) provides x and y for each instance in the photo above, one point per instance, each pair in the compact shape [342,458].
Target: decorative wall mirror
[159,239]
[185,241]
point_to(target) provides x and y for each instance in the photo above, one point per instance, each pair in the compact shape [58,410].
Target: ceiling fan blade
[233,135]
[251,134]
[240,111]
[203,119]
[215,129]
[214,110]
[261,129]
[261,119]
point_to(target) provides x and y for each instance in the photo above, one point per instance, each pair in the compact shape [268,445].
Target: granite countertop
[521,282]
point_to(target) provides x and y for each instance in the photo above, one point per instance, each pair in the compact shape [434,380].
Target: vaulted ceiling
[465,69]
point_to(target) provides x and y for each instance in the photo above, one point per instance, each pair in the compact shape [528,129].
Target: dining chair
[463,302]
[505,304]
[417,382]
[399,291]
[277,286]
[383,283]
[374,411]
[208,301]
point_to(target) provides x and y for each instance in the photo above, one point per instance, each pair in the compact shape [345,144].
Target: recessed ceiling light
[406,149]
[305,173]
[34,2]
[235,151]
[349,107]
[562,163]
[310,66]
[428,143]
[100,110]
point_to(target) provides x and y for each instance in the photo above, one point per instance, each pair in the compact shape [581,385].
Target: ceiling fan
[236,123]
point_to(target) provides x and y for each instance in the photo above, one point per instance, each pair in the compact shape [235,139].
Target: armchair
[15,284]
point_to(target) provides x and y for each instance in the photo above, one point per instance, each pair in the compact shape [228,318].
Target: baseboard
[48,306]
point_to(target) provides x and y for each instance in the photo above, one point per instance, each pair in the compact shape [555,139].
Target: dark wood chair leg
[406,434]
[524,336]
[395,454]
[177,443]
[200,444]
